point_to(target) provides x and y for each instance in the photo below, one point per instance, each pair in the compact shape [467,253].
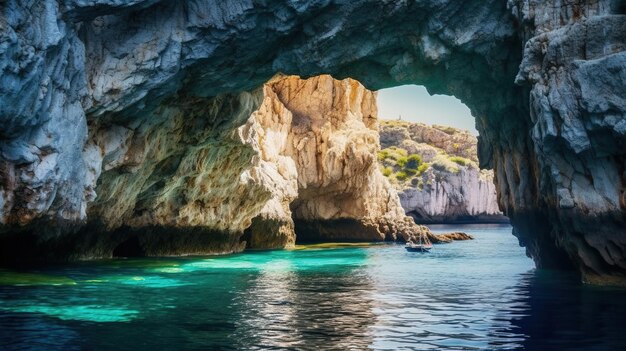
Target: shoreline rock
[298,149]
[449,237]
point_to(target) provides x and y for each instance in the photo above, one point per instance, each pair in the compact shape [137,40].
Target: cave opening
[429,153]
[127,132]
[347,166]
[130,247]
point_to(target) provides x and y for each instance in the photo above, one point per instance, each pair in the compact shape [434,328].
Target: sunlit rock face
[333,142]
[442,183]
[268,131]
[551,128]
[317,140]
[216,175]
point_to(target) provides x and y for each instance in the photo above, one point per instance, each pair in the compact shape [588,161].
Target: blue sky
[416,105]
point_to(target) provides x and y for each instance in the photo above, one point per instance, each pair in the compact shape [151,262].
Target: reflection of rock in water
[556,312]
[503,333]
[300,308]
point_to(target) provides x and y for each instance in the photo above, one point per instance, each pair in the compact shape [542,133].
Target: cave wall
[220,174]
[545,80]
[574,64]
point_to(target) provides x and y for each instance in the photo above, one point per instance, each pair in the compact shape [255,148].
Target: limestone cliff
[436,174]
[319,136]
[569,200]
[545,80]
[333,141]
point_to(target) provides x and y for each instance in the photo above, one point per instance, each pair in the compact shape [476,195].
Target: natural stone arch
[105,62]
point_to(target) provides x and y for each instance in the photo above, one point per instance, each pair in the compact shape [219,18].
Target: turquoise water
[482,294]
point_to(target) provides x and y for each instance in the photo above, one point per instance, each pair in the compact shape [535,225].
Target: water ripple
[479,295]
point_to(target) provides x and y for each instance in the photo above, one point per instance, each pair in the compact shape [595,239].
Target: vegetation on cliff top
[404,167]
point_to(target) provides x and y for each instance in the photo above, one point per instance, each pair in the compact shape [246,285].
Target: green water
[482,294]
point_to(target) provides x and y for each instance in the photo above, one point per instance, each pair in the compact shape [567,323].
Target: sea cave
[156,128]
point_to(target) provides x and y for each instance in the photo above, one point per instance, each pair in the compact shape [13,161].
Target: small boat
[421,246]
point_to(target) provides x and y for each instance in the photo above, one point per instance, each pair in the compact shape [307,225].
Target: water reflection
[20,332]
[563,314]
[288,307]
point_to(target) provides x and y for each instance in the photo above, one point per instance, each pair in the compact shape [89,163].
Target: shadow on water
[554,311]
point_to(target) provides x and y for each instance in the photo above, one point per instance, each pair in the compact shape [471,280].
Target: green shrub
[446,129]
[410,172]
[387,171]
[460,160]
[393,122]
[413,162]
[422,168]
[401,176]
[396,152]
[402,161]
[382,155]
[391,154]
[443,163]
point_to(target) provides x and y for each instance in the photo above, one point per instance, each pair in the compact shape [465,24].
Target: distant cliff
[435,170]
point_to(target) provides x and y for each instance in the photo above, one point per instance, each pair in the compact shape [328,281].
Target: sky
[414,104]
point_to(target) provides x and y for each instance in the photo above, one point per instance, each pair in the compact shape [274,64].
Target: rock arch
[545,80]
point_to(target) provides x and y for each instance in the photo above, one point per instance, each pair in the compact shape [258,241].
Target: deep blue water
[482,294]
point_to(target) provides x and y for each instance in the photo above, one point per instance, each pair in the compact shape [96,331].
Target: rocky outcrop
[436,174]
[320,137]
[333,141]
[545,80]
[450,237]
[428,141]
